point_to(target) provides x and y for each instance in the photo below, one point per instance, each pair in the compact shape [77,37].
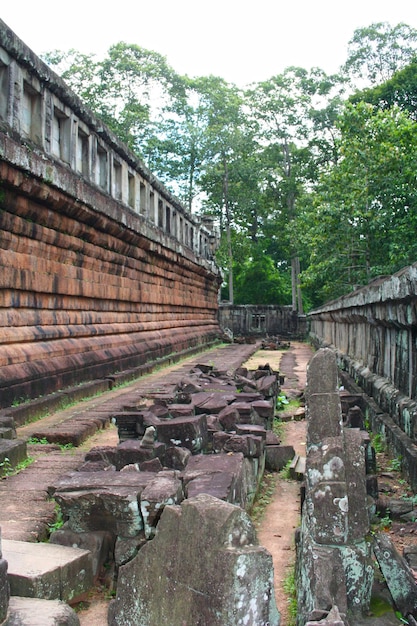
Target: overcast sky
[241,41]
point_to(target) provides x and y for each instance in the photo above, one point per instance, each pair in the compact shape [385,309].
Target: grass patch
[290,589]
[44,441]
[263,497]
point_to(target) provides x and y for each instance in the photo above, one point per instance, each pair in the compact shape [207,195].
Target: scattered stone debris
[207,441]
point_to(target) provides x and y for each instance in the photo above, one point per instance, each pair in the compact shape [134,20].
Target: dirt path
[282,516]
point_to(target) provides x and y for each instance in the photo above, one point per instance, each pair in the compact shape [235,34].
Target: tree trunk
[228,232]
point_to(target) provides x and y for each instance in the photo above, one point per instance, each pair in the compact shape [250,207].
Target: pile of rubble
[203,445]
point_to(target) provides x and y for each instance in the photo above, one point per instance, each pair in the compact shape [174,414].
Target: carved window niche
[31,113]
[82,156]
[142,198]
[4,89]
[61,135]
[102,168]
[131,188]
[117,180]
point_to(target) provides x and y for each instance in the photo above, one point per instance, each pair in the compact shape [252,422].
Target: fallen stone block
[38,612]
[132,451]
[181,410]
[397,574]
[187,432]
[211,403]
[220,475]
[166,488]
[238,592]
[109,501]
[251,429]
[277,457]
[246,413]
[229,417]
[176,457]
[268,386]
[249,445]
[47,571]
[99,543]
[12,452]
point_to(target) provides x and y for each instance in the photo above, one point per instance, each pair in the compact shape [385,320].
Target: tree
[399,90]
[289,112]
[363,218]
[376,52]
[127,89]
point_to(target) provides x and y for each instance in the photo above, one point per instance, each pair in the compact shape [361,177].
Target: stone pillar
[333,557]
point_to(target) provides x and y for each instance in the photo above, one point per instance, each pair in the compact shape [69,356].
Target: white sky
[241,41]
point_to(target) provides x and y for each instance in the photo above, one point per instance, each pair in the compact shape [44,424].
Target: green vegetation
[44,441]
[311,180]
[291,591]
[6,468]
[59,520]
[263,496]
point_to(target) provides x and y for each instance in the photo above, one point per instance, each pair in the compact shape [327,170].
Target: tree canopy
[311,178]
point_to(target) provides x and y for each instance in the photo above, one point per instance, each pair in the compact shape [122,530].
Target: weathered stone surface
[176,457]
[268,386]
[246,413]
[322,375]
[132,451]
[100,544]
[4,586]
[324,416]
[12,452]
[397,574]
[169,583]
[220,475]
[229,417]
[252,429]
[214,403]
[265,409]
[333,558]
[127,547]
[248,445]
[277,456]
[187,432]
[103,501]
[38,612]
[166,488]
[47,571]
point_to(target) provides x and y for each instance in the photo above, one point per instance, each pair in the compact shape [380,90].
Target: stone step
[48,571]
[12,452]
[297,467]
[37,612]
[7,432]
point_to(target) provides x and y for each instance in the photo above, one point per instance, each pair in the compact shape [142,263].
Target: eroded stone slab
[48,571]
[169,583]
[38,612]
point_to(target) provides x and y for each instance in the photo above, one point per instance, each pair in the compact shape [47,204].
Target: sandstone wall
[101,268]
[374,331]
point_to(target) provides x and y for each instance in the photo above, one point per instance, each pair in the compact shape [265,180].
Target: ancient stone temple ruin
[334,555]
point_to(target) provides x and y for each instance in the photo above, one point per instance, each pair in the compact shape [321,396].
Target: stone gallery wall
[374,332]
[261,320]
[101,268]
